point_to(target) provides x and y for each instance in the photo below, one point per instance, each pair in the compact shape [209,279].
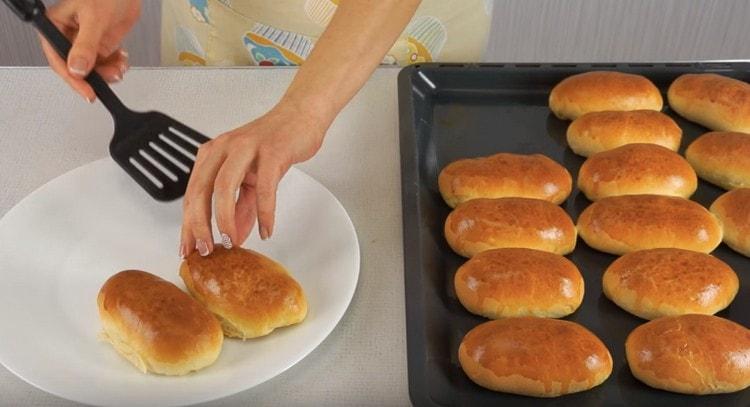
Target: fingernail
[117,77]
[264,233]
[123,67]
[182,251]
[124,53]
[88,99]
[202,247]
[226,241]
[78,66]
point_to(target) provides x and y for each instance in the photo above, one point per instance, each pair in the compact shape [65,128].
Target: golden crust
[515,282]
[483,224]
[663,282]
[156,326]
[722,158]
[622,224]
[601,131]
[691,354]
[635,169]
[504,175]
[733,211]
[598,91]
[714,101]
[536,357]
[250,294]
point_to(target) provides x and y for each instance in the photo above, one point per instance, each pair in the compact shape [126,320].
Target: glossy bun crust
[514,282]
[483,224]
[156,326]
[538,357]
[249,293]
[690,354]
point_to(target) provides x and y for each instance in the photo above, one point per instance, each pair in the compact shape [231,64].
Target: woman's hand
[96,29]
[251,159]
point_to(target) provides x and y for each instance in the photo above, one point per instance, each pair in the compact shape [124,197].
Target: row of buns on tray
[507,221]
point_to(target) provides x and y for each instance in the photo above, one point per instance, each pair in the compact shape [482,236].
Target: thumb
[82,56]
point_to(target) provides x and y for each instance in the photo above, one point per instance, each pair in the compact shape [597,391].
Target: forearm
[353,45]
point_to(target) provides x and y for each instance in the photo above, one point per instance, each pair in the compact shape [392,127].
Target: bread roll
[635,169]
[601,131]
[733,211]
[536,357]
[515,282]
[691,354]
[483,224]
[603,90]
[714,101]
[249,293]
[156,326]
[663,282]
[622,224]
[505,175]
[722,159]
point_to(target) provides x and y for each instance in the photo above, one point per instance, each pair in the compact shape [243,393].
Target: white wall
[525,31]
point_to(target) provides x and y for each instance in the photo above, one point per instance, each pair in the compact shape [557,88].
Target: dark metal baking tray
[452,111]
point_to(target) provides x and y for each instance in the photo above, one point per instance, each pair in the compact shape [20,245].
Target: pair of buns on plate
[161,329]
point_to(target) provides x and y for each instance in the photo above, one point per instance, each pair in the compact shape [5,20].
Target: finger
[197,203]
[113,68]
[58,66]
[86,45]
[270,172]
[245,211]
[187,242]
[228,180]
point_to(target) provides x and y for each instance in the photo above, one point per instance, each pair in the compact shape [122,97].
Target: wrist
[314,111]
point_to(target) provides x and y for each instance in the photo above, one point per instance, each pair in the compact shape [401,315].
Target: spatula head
[157,151]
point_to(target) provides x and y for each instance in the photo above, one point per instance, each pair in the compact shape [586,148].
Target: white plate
[59,245]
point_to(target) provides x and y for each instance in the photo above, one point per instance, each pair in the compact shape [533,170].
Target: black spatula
[154,149]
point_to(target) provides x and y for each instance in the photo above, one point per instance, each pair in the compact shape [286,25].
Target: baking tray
[452,111]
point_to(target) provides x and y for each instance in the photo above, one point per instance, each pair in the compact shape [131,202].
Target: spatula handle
[33,11]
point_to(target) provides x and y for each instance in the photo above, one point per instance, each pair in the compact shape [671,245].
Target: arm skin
[254,157]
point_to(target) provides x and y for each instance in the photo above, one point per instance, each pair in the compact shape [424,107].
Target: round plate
[59,245]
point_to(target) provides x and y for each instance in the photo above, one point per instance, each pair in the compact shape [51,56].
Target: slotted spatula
[156,150]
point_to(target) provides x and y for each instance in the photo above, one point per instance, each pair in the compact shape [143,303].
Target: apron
[283,32]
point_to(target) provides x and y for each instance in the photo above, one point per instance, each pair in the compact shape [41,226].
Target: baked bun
[691,354]
[664,282]
[156,326]
[536,357]
[636,169]
[733,211]
[722,158]
[622,224]
[505,175]
[601,131]
[483,224]
[515,282]
[714,101]
[249,293]
[598,91]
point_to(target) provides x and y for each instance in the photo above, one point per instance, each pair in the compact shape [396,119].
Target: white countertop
[47,130]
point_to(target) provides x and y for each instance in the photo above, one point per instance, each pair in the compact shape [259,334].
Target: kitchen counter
[47,130]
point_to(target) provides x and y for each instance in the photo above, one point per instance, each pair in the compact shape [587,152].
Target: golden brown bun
[601,131]
[663,282]
[635,169]
[722,158]
[250,294]
[714,101]
[537,357]
[156,326]
[598,91]
[622,224]
[514,282]
[505,175]
[733,211]
[483,224]
[691,354]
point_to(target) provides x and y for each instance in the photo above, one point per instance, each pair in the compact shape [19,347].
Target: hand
[96,29]
[251,159]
